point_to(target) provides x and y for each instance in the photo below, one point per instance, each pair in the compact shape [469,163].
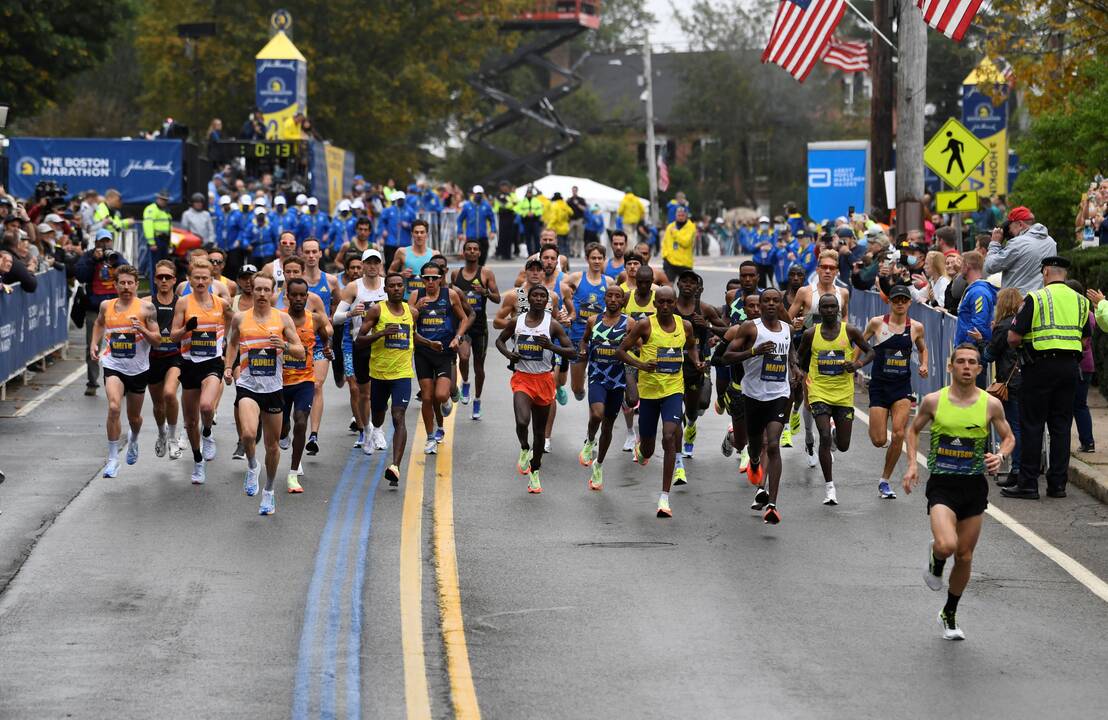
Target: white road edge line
[1082,574]
[66,382]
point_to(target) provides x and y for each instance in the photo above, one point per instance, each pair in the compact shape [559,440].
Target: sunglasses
[216,262]
[828,267]
[165,277]
[431,277]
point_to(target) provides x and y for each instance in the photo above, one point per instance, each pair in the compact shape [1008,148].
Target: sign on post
[837,178]
[985,113]
[956,201]
[280,85]
[954,152]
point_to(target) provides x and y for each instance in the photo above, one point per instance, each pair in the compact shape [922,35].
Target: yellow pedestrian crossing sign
[956,201]
[954,152]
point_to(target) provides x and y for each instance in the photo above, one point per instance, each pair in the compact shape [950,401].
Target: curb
[1088,479]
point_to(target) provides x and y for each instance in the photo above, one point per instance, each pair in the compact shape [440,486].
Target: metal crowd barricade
[448,232]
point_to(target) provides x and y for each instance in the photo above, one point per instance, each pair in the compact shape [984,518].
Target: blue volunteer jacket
[976,311]
[397,220]
[315,225]
[476,220]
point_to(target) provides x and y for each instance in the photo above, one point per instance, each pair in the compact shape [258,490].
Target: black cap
[247,269]
[532,263]
[1055,261]
[162,195]
[689,274]
[900,291]
[918,247]
[844,231]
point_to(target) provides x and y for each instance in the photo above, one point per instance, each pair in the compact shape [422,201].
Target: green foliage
[1064,148]
[1090,268]
[44,44]
[622,23]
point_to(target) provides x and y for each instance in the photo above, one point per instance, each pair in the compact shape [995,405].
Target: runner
[668,344]
[165,363]
[705,320]
[286,248]
[298,375]
[131,328]
[615,267]
[441,318]
[734,313]
[796,279]
[603,335]
[355,300]
[533,380]
[326,287]
[243,300]
[736,436]
[561,265]
[199,324]
[267,338]
[639,305]
[827,352]
[478,285]
[642,249]
[587,290]
[768,356]
[960,416]
[509,311]
[409,261]
[218,287]
[890,385]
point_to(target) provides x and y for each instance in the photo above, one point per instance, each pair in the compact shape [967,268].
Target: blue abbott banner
[837,178]
[138,169]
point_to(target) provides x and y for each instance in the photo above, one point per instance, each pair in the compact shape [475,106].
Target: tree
[44,44]
[622,23]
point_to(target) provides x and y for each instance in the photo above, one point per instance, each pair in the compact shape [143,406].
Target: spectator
[13,270]
[215,135]
[865,271]
[934,268]
[765,239]
[254,127]
[198,221]
[1081,415]
[677,245]
[96,269]
[1020,259]
[948,240]
[957,286]
[794,219]
[975,311]
[998,351]
[556,218]
[594,225]
[579,209]
[678,201]
[983,218]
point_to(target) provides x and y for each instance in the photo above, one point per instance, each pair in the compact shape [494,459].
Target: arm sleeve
[1102,315]
[340,312]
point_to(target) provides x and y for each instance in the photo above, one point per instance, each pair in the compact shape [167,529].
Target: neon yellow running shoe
[744,460]
[794,423]
[663,508]
[524,464]
[786,437]
[294,483]
[690,433]
[596,482]
[533,484]
[639,456]
[585,456]
[679,476]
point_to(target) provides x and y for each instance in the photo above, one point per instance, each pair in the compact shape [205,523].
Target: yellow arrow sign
[954,152]
[957,201]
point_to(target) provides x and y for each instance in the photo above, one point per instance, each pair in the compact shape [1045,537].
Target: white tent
[608,198]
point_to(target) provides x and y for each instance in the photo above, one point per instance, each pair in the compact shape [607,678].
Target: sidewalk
[1089,471]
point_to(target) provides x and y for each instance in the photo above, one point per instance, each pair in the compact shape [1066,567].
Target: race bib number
[262,362]
[165,343]
[896,364]
[528,347]
[669,360]
[399,340]
[291,364]
[775,367]
[122,345]
[830,362]
[472,298]
[956,456]
[604,354]
[203,343]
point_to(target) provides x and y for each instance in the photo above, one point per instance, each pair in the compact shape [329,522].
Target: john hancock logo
[147,165]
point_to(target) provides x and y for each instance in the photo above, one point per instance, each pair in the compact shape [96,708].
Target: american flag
[663,172]
[847,55]
[950,17]
[800,33]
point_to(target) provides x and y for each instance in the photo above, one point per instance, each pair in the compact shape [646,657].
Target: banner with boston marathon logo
[138,169]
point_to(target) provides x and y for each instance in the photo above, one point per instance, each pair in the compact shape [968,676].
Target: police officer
[1048,329]
[157,224]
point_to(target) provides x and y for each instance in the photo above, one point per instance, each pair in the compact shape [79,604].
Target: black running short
[194,373]
[433,364]
[838,413]
[132,384]
[760,413]
[966,495]
[361,364]
[885,394]
[159,366]
[478,341]
[272,403]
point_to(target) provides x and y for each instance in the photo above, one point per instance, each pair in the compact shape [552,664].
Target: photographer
[96,270]
[1017,249]
[1092,225]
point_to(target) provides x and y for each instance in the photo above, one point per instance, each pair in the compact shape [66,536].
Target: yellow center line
[462,691]
[416,695]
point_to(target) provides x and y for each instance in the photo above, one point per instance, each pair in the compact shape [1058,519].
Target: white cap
[371,253]
[280,200]
[43,228]
[478,189]
[246,200]
[259,210]
[763,219]
[357,204]
[53,218]
[398,195]
[301,199]
[262,201]
[313,201]
[224,199]
[343,206]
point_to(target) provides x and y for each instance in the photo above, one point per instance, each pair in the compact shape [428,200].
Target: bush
[1090,268]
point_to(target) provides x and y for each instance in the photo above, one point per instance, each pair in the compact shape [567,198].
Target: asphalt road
[145,596]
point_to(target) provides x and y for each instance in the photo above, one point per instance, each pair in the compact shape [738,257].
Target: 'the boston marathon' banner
[837,178]
[280,84]
[138,169]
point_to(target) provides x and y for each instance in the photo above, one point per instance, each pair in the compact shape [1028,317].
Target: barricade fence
[32,325]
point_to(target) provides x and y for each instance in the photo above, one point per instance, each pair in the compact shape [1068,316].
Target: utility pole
[911,96]
[651,152]
[881,106]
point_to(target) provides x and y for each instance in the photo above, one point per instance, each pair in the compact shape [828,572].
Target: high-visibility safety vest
[155,221]
[1060,315]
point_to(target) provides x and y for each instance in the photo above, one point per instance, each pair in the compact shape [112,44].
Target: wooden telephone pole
[881,106]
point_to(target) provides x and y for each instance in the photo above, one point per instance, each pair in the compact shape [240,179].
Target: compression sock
[951,606]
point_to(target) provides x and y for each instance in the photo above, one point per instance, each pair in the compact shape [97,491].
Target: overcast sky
[666,29]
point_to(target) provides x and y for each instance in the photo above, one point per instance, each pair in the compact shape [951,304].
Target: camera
[1005,229]
[114,258]
[50,190]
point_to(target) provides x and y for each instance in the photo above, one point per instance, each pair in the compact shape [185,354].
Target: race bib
[604,354]
[830,362]
[670,360]
[291,364]
[165,343]
[775,367]
[896,364]
[203,343]
[262,362]
[122,345]
[399,340]
[528,347]
[956,456]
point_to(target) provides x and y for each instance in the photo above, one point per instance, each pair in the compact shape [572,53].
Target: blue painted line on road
[302,685]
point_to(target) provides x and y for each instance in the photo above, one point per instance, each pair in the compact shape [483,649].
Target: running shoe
[456,395]
[465,394]
[561,395]
[294,482]
[392,474]
[639,456]
[300,470]
[533,485]
[933,579]
[431,447]
[761,499]
[447,407]
[596,482]
[718,407]
[174,449]
[159,446]
[111,468]
[794,423]
[829,494]
[679,474]
[727,447]
[199,477]
[629,443]
[771,516]
[268,506]
[585,456]
[949,624]
[440,434]
[353,425]
[380,442]
[312,446]
[367,447]
[284,443]
[239,453]
[663,508]
[744,459]
[810,451]
[523,465]
[546,445]
[690,439]
[132,452]
[476,409]
[207,447]
[885,490]
[250,480]
[786,437]
[755,473]
[360,442]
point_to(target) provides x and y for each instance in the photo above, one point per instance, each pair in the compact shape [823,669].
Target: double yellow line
[463,694]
